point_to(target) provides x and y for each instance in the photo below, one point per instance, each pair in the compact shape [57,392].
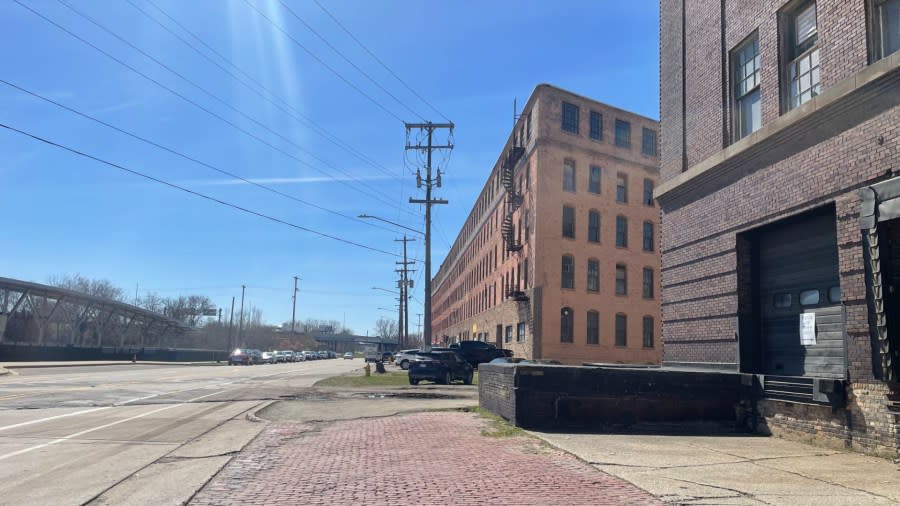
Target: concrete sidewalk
[685,468]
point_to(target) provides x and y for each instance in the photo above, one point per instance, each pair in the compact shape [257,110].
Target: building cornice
[840,107]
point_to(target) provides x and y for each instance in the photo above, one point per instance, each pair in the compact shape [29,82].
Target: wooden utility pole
[405,285]
[294,310]
[429,182]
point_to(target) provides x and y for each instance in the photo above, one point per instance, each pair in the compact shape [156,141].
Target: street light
[367,216]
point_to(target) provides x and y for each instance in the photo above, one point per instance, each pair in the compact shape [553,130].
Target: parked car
[268,357]
[348,355]
[299,356]
[323,355]
[479,352]
[240,357]
[387,356]
[403,358]
[255,356]
[372,355]
[309,355]
[281,356]
[441,367]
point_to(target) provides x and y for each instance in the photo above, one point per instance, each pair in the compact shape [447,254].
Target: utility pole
[294,311]
[419,325]
[231,326]
[241,324]
[405,285]
[429,128]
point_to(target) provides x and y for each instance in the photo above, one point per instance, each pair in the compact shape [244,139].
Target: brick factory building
[558,258]
[780,198]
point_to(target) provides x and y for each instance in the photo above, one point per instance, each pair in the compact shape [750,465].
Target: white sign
[808,329]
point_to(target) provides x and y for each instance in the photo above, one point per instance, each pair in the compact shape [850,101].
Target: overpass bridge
[44,315]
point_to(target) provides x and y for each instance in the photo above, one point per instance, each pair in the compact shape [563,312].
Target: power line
[187,157]
[377,59]
[193,192]
[220,100]
[344,57]
[294,113]
[322,62]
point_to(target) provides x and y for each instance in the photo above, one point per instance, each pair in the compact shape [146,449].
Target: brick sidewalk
[422,458]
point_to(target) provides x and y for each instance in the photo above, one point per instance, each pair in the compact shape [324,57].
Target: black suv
[478,352]
[440,367]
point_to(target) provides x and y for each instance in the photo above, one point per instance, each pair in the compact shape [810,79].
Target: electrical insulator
[438,180]
[418,178]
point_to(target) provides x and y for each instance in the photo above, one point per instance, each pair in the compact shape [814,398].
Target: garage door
[800,287]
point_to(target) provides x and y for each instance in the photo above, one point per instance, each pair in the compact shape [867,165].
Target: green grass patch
[388,379]
[498,427]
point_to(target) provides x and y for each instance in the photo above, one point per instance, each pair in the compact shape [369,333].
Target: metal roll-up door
[799,276]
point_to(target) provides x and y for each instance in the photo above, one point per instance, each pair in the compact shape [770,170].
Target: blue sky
[65,214]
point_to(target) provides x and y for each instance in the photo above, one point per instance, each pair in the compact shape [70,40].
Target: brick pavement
[421,458]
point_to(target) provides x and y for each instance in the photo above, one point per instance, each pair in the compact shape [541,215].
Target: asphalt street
[133,433]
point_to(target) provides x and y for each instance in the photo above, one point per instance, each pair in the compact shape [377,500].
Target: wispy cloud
[121,106]
[270,181]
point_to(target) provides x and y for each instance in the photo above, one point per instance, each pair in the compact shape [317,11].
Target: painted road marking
[101,427]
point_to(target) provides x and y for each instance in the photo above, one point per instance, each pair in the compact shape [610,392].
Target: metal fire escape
[514,200]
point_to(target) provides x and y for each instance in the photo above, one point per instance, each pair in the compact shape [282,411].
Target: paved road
[122,434]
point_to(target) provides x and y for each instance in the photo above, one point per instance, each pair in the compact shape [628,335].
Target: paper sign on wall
[808,329]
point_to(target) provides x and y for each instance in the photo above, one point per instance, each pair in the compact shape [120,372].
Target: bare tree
[96,287]
[386,328]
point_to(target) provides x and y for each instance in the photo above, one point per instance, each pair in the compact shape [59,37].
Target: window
[648,142]
[593,226]
[508,333]
[520,332]
[834,294]
[593,275]
[809,297]
[648,332]
[623,134]
[528,127]
[570,117]
[566,324]
[568,271]
[884,31]
[621,280]
[596,125]
[594,180]
[648,192]
[593,327]
[648,283]
[621,188]
[745,70]
[569,175]
[621,232]
[801,55]
[568,222]
[621,330]
[648,236]
[782,300]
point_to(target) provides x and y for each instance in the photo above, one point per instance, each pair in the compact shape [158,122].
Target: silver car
[404,357]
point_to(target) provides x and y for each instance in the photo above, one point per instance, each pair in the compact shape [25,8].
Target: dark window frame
[568,222]
[596,126]
[649,140]
[623,133]
[595,179]
[594,226]
[570,184]
[570,113]
[593,275]
[567,272]
[593,327]
[746,88]
[621,281]
[875,27]
[648,283]
[566,325]
[648,236]
[621,330]
[648,327]
[622,188]
[520,332]
[621,231]
[648,192]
